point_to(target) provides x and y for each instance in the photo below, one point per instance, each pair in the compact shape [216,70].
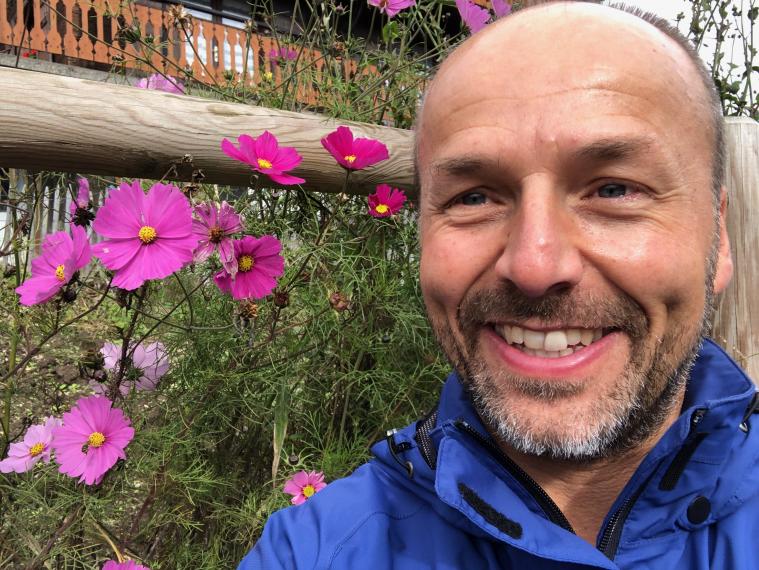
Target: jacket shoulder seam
[361,523]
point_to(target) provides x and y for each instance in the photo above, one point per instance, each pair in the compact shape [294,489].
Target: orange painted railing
[99,31]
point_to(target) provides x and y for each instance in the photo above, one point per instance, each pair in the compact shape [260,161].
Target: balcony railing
[130,34]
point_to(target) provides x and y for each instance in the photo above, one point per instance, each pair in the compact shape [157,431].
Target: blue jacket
[438,494]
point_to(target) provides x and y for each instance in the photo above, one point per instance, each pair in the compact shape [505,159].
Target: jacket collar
[472,481]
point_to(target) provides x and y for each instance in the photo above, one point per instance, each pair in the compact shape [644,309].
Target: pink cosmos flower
[214,227]
[24,455]
[392,7]
[354,154]
[82,200]
[259,263]
[160,83]
[385,201]
[283,54]
[476,17]
[303,485]
[149,236]
[126,565]
[62,256]
[264,155]
[501,8]
[149,362]
[92,438]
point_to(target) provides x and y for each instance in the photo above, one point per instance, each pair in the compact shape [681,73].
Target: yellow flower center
[351,158]
[96,439]
[308,490]
[36,449]
[59,274]
[147,234]
[381,208]
[263,163]
[244,263]
[215,234]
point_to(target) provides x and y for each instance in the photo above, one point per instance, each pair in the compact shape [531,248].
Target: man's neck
[585,492]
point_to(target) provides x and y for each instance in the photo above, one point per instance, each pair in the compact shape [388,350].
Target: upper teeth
[550,341]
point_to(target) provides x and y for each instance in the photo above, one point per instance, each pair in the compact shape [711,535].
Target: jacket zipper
[612,534]
[545,502]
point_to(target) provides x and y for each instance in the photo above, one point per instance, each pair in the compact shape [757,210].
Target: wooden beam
[736,322]
[50,122]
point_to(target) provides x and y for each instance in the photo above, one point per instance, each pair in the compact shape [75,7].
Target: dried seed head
[339,302]
[248,309]
[179,17]
[281,299]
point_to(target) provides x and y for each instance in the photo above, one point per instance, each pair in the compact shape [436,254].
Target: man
[572,220]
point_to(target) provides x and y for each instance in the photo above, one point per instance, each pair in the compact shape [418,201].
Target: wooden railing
[104,32]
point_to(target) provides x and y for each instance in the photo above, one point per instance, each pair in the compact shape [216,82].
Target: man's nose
[540,255]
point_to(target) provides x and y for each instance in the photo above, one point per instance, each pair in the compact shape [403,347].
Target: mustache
[507,303]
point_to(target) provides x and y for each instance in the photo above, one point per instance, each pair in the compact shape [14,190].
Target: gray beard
[641,400]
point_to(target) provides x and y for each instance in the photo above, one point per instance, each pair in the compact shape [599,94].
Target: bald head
[577,45]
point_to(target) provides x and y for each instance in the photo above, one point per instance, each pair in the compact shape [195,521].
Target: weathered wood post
[736,322]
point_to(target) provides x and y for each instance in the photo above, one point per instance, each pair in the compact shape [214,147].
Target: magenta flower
[392,7]
[148,364]
[149,237]
[264,155]
[303,485]
[283,54]
[354,154]
[82,200]
[160,83]
[385,201]
[259,263]
[214,227]
[476,17]
[501,8]
[126,565]
[24,455]
[92,438]
[62,256]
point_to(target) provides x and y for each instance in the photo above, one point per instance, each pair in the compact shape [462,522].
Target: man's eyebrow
[460,165]
[611,149]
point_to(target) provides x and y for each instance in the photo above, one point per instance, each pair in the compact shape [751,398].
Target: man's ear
[724,270]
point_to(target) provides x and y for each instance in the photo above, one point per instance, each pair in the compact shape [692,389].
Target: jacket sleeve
[289,541]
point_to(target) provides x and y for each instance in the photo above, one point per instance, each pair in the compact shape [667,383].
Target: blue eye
[612,191]
[472,199]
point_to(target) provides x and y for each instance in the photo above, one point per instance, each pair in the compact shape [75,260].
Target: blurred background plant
[304,379]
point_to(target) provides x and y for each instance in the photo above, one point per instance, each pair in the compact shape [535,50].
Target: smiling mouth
[554,343]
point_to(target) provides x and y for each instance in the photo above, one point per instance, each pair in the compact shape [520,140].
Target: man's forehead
[563,46]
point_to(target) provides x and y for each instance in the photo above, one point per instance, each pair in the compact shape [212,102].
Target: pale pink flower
[92,439]
[214,226]
[35,446]
[283,54]
[62,256]
[160,83]
[392,7]
[149,363]
[148,236]
[303,485]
